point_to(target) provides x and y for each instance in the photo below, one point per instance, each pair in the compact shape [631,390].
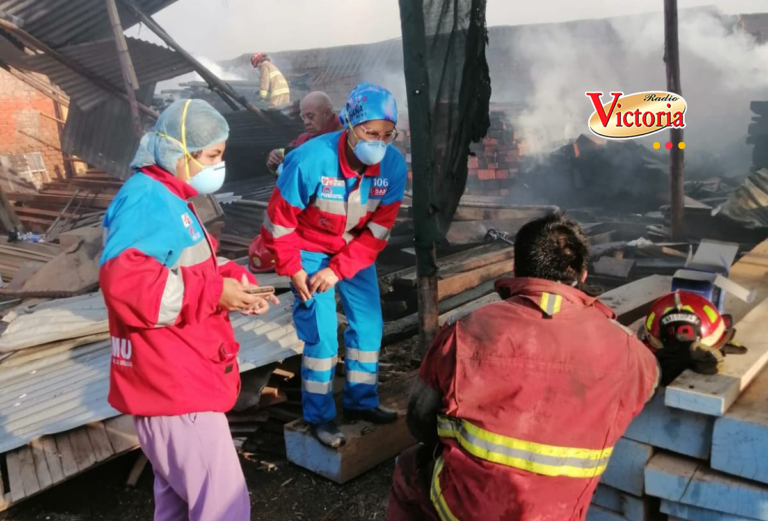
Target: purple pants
[198,476]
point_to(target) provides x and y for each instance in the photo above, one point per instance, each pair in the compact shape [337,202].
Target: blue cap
[368,102]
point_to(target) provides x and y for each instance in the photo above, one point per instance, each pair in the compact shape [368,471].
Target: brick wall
[24,130]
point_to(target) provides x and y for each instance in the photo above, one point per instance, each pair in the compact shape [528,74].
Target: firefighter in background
[274,87]
[519,404]
[327,221]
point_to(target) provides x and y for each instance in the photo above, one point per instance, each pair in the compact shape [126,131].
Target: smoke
[722,70]
[220,72]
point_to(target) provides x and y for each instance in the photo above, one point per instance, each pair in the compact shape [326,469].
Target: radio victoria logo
[636,115]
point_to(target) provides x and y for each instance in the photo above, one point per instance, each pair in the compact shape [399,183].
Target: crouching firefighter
[329,217]
[518,405]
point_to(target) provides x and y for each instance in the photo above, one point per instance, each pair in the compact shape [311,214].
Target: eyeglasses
[372,135]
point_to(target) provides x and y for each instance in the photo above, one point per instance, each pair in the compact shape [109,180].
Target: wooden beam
[676,154]
[471,263]
[740,437]
[33,42]
[675,430]
[626,468]
[751,271]
[423,163]
[632,301]
[367,445]
[683,480]
[630,507]
[681,512]
[126,66]
[714,394]
[455,284]
[479,213]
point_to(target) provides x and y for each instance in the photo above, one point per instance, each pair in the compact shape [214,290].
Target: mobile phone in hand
[262,291]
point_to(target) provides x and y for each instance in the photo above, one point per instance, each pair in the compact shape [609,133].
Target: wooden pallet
[50,460]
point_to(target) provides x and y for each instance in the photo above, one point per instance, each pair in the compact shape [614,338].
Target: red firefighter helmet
[257,58]
[686,317]
[261,260]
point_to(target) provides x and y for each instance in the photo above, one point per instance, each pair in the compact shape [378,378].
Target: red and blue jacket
[173,348]
[321,205]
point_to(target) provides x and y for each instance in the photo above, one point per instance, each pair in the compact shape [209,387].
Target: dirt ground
[284,493]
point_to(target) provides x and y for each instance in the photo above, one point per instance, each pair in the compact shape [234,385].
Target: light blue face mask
[210,179]
[369,152]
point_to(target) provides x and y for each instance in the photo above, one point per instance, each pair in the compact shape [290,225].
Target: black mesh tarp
[444,44]
[460,92]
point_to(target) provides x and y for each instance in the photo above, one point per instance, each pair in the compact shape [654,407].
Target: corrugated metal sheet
[10,53]
[151,62]
[749,203]
[69,22]
[104,136]
[67,390]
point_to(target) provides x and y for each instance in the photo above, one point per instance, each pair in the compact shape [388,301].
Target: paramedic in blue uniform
[329,217]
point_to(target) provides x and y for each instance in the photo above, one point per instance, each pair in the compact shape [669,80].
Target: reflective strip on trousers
[319,364]
[313,387]
[280,92]
[366,357]
[547,460]
[550,303]
[361,377]
[276,230]
[436,494]
[172,299]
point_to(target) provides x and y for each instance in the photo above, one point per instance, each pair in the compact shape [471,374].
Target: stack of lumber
[73,202]
[758,134]
[16,256]
[699,449]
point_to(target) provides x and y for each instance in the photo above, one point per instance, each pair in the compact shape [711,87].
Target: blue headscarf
[202,126]
[368,102]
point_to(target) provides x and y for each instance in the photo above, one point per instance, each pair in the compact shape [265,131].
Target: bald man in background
[318,117]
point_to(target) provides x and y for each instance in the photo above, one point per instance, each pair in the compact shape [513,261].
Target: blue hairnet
[368,102]
[204,127]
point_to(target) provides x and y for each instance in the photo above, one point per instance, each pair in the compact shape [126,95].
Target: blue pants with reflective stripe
[316,325]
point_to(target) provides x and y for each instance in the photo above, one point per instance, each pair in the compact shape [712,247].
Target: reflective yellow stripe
[436,494]
[548,460]
[711,313]
[649,322]
[274,74]
[280,92]
[263,93]
[551,303]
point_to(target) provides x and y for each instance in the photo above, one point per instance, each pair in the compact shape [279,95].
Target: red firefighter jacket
[537,389]
[173,349]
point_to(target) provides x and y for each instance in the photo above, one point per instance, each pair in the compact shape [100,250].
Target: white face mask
[209,179]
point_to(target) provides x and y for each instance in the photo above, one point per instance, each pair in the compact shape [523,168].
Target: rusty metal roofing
[152,63]
[69,22]
[104,136]
[56,391]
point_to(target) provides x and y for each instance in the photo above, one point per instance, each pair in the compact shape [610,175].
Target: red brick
[502,174]
[473,162]
[490,142]
[493,166]
[485,175]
